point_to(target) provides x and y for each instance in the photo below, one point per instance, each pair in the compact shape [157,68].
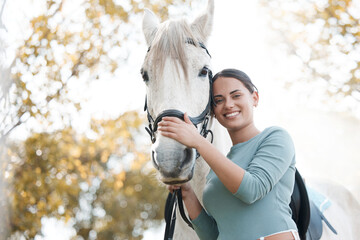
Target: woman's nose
[229,103]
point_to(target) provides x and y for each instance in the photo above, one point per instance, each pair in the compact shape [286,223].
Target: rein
[175,198]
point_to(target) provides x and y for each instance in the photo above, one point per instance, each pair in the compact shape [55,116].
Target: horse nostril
[187,157]
[156,164]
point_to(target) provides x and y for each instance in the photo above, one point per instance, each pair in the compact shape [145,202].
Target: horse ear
[150,25]
[202,25]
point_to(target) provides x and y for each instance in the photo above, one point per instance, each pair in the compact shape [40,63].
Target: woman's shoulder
[268,135]
[276,132]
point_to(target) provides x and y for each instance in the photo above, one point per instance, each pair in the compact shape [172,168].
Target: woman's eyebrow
[236,90]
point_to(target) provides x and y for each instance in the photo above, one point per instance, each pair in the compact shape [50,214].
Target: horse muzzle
[175,163]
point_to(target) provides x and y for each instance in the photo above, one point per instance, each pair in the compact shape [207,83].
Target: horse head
[177,74]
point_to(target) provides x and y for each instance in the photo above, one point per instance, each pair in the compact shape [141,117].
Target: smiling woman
[255,179]
[234,99]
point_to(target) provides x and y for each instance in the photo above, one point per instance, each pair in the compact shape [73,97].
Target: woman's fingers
[186,189]
[165,123]
[169,125]
[186,118]
[177,129]
[178,120]
[172,188]
[172,119]
[167,129]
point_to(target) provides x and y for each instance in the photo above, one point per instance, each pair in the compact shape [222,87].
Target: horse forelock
[169,43]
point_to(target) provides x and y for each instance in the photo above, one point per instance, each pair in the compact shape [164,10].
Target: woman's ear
[255,96]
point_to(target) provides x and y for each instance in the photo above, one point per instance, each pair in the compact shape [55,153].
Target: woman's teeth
[232,114]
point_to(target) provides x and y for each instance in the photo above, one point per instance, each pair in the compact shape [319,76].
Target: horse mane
[169,42]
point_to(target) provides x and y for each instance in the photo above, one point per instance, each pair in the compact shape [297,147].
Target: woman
[247,192]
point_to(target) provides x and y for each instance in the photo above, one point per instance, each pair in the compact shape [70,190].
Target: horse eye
[144,75]
[204,71]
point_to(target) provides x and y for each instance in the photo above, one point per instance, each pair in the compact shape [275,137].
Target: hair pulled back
[241,76]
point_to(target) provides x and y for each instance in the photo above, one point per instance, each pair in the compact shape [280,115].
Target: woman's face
[234,103]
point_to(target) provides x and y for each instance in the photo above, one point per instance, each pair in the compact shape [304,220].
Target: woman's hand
[182,131]
[186,189]
[192,203]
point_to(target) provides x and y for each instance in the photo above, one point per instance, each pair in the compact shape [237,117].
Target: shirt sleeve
[205,226]
[271,160]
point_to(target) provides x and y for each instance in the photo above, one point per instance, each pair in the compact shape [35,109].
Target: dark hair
[241,76]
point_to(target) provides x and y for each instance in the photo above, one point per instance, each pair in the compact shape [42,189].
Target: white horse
[176,74]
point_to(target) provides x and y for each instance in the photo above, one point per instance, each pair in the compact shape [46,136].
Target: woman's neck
[244,134]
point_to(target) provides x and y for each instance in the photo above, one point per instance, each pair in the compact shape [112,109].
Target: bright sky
[326,142]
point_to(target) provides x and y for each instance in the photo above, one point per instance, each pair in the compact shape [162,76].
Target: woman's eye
[237,96]
[218,101]
[204,71]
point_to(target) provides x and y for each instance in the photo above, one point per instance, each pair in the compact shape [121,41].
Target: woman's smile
[232,114]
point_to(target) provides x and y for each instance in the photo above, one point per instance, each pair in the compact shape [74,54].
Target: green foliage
[325,36]
[102,182]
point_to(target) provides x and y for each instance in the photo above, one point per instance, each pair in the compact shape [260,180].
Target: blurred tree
[100,181]
[325,36]
[5,67]
[68,45]
[57,172]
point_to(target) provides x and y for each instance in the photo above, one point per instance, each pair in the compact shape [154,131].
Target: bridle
[202,118]
[175,198]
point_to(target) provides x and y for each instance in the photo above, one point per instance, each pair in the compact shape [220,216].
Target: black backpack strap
[300,205]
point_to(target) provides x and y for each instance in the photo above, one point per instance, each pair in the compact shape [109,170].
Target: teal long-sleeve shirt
[260,206]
